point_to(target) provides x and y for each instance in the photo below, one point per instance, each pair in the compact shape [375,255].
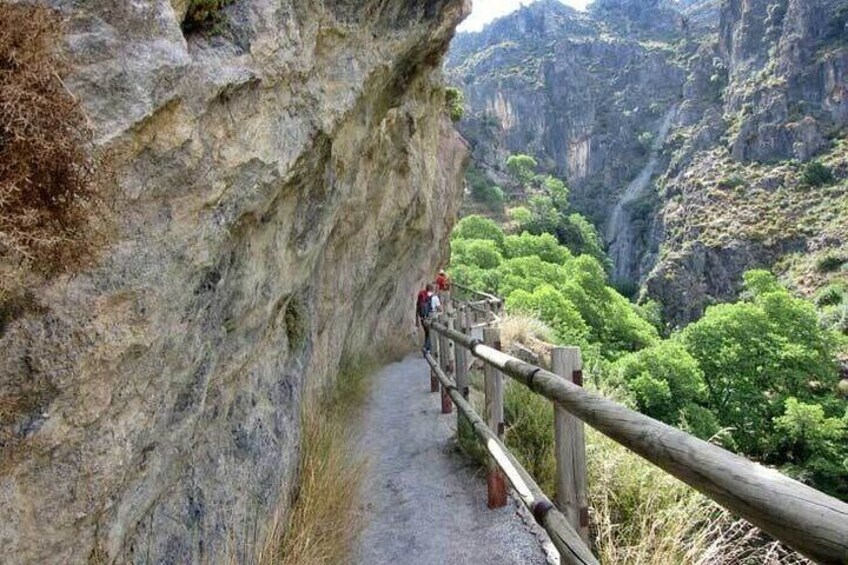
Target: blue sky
[487,10]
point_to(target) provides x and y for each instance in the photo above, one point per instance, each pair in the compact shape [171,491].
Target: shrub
[830,295]
[482,253]
[544,246]
[524,329]
[478,227]
[47,189]
[664,379]
[829,263]
[454,100]
[522,167]
[755,354]
[732,181]
[520,215]
[550,306]
[817,174]
[204,16]
[646,140]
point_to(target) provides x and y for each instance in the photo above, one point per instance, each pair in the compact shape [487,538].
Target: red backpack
[425,305]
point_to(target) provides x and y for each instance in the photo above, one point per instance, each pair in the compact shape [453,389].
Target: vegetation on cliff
[47,189]
[758,376]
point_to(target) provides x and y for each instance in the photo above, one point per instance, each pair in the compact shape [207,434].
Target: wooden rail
[567,541]
[808,520]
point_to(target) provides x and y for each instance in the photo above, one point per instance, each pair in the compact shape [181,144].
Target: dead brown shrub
[47,188]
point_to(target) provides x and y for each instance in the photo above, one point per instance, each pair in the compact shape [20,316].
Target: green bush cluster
[816,173]
[830,262]
[454,102]
[539,276]
[757,373]
[743,368]
[484,190]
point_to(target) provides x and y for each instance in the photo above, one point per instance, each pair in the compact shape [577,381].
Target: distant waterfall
[619,232]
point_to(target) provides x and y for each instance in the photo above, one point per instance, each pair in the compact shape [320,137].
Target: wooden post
[570,449]
[446,362]
[434,343]
[494,418]
[461,355]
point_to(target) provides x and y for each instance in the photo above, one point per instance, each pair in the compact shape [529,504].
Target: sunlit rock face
[280,187]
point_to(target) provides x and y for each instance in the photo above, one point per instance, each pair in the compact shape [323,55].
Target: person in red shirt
[442,281]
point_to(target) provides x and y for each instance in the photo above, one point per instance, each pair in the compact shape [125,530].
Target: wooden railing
[808,520]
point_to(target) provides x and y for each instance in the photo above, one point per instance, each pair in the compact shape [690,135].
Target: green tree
[522,167]
[550,306]
[544,246]
[521,215]
[482,253]
[816,446]
[663,379]
[478,227]
[757,353]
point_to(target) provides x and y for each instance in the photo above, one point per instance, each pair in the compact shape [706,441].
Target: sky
[487,10]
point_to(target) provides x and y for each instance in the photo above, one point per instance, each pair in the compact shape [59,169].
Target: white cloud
[487,10]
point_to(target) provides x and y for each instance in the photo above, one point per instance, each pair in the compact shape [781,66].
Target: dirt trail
[424,503]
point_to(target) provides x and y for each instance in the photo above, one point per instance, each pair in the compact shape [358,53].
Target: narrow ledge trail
[423,502]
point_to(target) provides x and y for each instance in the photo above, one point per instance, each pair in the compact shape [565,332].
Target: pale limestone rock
[281,190]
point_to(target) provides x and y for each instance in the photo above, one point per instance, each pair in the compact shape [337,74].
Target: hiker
[443,282]
[426,305]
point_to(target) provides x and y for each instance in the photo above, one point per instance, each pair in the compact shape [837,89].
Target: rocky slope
[280,188]
[757,87]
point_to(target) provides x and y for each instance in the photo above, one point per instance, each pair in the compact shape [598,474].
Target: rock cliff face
[757,88]
[281,187]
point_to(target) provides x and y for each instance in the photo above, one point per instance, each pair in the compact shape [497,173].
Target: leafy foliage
[482,253]
[483,189]
[544,246]
[454,100]
[539,276]
[478,227]
[817,174]
[666,383]
[757,353]
[522,167]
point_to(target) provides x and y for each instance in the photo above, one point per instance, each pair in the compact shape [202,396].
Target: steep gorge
[761,91]
[280,187]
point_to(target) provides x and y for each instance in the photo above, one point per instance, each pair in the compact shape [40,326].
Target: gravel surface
[423,502]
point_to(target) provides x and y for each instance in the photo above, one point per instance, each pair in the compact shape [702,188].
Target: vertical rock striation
[280,188]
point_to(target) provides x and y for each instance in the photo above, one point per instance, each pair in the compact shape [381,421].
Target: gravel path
[424,503]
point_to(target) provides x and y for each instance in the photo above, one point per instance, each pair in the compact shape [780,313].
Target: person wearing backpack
[426,305]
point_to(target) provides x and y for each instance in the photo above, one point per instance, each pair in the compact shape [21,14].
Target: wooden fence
[808,520]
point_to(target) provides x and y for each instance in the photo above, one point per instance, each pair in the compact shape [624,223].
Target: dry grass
[324,519]
[641,515]
[46,168]
[323,522]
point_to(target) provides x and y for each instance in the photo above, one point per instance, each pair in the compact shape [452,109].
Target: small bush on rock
[829,263]
[454,100]
[817,174]
[47,189]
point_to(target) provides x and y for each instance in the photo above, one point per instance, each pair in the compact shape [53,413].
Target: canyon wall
[281,186]
[758,91]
